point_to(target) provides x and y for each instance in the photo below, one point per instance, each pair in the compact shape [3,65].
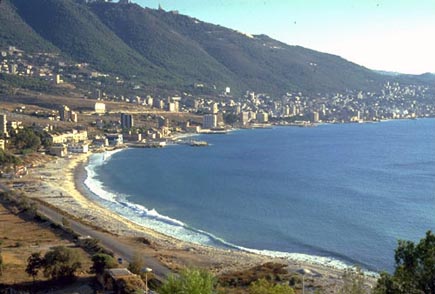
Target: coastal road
[108,241]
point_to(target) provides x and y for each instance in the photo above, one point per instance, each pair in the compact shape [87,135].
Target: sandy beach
[60,183]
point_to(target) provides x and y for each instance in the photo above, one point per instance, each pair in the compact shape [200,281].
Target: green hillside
[79,33]
[169,51]
[158,43]
[15,32]
[266,64]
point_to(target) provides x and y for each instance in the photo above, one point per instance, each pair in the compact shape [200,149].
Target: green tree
[26,139]
[61,263]
[34,264]
[7,158]
[415,269]
[354,282]
[263,286]
[189,281]
[101,262]
[137,264]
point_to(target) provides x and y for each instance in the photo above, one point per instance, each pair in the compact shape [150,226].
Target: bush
[137,264]
[192,281]
[101,262]
[263,286]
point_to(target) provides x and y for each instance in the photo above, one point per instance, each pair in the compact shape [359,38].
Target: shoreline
[60,183]
[290,257]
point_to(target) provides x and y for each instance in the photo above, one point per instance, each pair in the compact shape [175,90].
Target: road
[108,241]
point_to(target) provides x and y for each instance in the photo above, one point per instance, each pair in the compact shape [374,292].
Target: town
[152,120]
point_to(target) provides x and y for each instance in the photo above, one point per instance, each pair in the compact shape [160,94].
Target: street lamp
[304,272]
[147,270]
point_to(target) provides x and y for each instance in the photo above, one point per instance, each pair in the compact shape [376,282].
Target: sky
[396,36]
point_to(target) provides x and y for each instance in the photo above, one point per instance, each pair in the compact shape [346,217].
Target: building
[58,79]
[115,139]
[113,279]
[315,117]
[100,108]
[74,136]
[132,137]
[215,108]
[65,113]
[127,121]
[59,150]
[3,126]
[78,148]
[162,122]
[262,117]
[172,107]
[97,94]
[14,126]
[13,69]
[244,117]
[209,121]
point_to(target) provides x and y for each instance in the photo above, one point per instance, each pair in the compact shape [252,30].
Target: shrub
[101,262]
[263,286]
[192,281]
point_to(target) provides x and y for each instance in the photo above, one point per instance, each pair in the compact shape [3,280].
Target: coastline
[60,183]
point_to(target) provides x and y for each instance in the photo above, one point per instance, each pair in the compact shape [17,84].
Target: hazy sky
[383,34]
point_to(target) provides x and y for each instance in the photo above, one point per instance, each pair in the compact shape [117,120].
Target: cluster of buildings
[46,66]
[7,127]
[392,101]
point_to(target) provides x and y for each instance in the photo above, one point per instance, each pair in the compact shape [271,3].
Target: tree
[415,269]
[26,139]
[7,158]
[61,263]
[189,281]
[34,264]
[101,262]
[263,286]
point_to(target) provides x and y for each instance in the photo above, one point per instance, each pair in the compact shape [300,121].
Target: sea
[336,194]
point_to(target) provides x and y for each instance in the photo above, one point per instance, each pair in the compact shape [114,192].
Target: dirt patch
[20,237]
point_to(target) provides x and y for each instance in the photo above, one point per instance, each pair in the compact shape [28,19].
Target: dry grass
[21,237]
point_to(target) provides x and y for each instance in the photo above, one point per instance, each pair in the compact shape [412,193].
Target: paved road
[108,241]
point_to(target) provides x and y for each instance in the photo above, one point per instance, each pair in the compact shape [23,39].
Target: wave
[150,218]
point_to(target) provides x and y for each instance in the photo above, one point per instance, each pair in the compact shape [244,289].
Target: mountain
[161,45]
[173,51]
[77,32]
[14,31]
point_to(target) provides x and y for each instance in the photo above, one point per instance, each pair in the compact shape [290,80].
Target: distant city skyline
[382,35]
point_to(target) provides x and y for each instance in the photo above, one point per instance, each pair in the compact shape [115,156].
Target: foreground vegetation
[414,271]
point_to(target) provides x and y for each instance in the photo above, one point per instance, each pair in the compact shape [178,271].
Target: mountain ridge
[174,51]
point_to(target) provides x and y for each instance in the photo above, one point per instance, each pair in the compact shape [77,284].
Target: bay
[346,192]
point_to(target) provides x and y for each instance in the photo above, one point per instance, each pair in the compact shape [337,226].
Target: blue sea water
[334,194]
